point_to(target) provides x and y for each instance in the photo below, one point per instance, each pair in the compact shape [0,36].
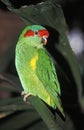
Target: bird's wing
[46,72]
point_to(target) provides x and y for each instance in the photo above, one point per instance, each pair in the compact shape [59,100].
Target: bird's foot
[25,95]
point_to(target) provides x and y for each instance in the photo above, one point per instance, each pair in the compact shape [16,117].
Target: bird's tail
[55,102]
[58,103]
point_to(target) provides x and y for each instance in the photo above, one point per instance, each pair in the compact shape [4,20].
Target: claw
[26,96]
[23,93]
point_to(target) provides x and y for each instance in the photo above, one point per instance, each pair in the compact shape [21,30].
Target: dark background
[73,12]
[74,15]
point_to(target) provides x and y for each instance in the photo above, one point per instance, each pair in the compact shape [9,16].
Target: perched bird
[35,67]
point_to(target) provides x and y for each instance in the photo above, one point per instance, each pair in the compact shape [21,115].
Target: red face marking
[29,33]
[42,33]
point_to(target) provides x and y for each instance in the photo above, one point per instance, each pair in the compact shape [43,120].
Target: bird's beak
[44,40]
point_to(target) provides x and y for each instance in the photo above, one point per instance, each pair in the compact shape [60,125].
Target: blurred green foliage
[14,113]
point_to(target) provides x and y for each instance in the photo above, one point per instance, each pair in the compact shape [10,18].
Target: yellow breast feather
[33,62]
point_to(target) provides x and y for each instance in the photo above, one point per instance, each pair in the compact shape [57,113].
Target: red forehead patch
[42,33]
[29,33]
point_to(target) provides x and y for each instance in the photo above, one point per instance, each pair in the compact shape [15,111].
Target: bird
[36,68]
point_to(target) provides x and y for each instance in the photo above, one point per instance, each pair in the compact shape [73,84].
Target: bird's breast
[26,58]
[33,62]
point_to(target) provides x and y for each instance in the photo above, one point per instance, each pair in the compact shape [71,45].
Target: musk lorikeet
[35,67]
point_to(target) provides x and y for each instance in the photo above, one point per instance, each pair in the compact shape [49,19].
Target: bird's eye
[29,33]
[42,33]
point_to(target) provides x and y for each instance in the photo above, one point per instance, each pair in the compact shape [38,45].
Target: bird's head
[35,34]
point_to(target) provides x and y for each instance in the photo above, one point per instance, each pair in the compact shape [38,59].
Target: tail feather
[56,102]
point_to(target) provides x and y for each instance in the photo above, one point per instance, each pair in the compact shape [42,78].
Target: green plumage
[36,69]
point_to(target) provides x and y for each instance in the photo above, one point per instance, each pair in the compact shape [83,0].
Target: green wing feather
[46,73]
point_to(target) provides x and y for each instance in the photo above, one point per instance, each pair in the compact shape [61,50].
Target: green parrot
[35,67]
